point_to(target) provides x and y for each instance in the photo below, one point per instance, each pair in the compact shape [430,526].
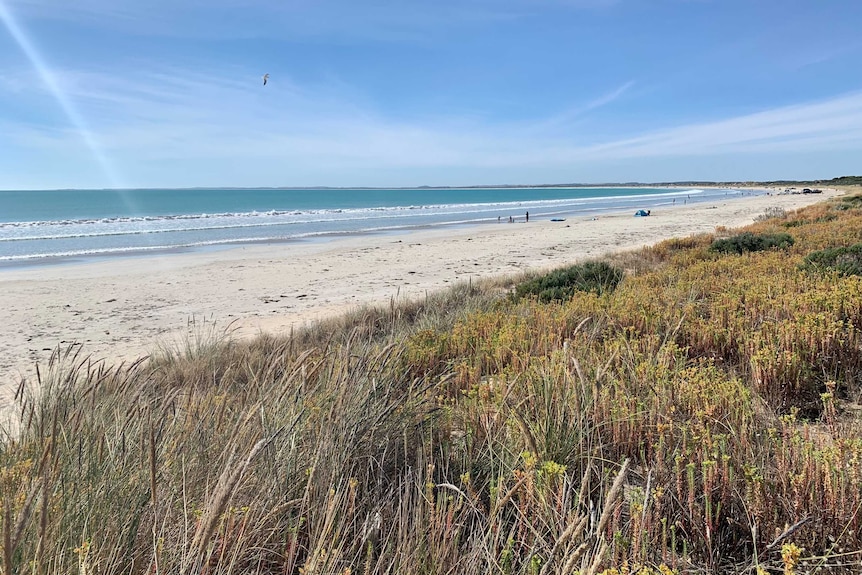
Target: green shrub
[845,260]
[561,284]
[849,203]
[750,242]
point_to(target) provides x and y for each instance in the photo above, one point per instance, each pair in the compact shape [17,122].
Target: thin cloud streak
[338,20]
[577,112]
[834,121]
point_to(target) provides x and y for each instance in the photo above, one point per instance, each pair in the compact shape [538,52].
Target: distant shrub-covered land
[699,413]
[846,181]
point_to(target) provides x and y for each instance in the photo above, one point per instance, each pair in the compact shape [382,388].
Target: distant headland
[840,181]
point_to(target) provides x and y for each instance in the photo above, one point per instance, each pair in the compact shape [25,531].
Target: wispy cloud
[832,122]
[81,10]
[576,112]
[213,127]
[339,20]
[820,54]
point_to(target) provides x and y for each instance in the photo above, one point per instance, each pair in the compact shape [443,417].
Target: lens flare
[19,35]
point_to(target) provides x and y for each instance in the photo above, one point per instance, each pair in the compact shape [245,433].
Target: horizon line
[475,186]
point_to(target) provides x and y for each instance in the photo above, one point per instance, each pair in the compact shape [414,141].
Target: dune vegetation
[698,411]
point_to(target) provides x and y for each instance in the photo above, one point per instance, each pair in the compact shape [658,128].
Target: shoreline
[120,309]
[635,198]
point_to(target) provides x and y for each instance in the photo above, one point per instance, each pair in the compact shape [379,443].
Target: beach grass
[700,415]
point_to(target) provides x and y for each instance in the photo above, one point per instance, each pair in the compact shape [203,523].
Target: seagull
[265,78]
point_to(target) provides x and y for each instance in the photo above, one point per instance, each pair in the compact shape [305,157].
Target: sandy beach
[122,308]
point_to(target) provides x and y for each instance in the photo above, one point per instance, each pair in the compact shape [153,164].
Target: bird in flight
[265,78]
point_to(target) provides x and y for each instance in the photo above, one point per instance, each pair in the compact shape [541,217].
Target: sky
[169,93]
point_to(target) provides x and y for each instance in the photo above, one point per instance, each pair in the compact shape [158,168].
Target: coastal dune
[121,309]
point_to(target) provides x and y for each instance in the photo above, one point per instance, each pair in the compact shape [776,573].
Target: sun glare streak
[49,79]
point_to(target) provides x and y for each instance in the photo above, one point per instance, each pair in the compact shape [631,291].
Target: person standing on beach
[528,216]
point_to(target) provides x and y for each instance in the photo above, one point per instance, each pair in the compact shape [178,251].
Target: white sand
[122,308]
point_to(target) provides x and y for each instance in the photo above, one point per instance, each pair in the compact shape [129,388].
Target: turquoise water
[49,226]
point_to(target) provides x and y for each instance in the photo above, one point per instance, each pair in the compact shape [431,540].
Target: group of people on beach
[512,219]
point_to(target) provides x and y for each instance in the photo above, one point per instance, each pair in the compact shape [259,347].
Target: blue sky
[168,93]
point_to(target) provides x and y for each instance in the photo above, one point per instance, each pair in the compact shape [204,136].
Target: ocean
[56,226]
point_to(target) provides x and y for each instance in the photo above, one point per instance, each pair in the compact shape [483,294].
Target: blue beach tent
[641,213]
